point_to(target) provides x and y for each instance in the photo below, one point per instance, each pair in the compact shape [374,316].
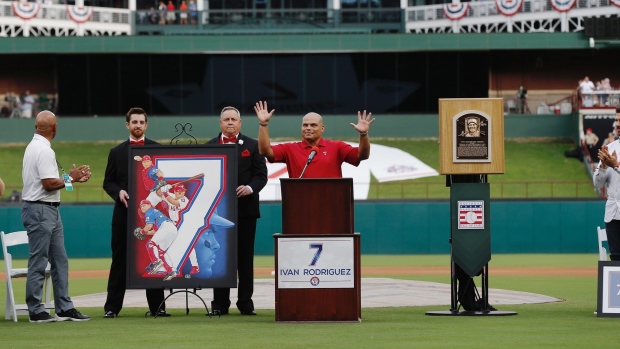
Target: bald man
[41,218]
[327,162]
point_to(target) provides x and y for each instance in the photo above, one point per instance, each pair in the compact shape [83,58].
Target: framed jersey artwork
[182,217]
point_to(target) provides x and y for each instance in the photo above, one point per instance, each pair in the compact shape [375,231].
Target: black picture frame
[608,294]
[201,231]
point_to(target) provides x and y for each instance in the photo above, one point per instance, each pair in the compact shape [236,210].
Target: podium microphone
[310,157]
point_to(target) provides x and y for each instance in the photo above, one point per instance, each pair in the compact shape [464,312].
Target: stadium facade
[333,57]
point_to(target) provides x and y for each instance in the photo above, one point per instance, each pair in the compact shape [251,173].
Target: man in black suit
[115,184]
[251,179]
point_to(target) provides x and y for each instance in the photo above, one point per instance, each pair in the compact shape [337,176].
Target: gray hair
[230,108]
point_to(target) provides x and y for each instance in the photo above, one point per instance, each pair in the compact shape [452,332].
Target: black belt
[53,204]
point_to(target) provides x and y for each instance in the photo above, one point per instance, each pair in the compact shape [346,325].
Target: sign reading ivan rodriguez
[315,262]
[471,137]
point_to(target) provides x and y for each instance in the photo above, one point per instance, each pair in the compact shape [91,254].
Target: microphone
[310,158]
[312,154]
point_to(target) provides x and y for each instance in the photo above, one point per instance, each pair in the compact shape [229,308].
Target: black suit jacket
[252,171]
[115,180]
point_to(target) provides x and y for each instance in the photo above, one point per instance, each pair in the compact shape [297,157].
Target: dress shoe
[247,312]
[109,314]
[218,312]
[161,313]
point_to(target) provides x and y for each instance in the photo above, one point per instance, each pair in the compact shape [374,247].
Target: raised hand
[262,112]
[363,122]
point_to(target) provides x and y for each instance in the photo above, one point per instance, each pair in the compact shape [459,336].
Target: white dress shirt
[610,178]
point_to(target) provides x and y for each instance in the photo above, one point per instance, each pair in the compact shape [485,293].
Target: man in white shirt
[607,174]
[40,216]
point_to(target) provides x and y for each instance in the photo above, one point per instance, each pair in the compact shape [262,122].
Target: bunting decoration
[25,10]
[79,14]
[509,8]
[563,5]
[455,12]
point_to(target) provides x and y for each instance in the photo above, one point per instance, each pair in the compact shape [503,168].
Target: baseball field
[569,323]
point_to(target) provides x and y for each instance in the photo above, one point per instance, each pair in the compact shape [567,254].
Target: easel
[187,293]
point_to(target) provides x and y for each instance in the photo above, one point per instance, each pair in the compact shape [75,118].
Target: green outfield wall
[298,43]
[285,126]
[386,227]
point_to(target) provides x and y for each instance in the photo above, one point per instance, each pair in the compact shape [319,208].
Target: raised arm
[264,143]
[362,126]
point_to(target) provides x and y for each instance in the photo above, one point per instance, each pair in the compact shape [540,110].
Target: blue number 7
[319,248]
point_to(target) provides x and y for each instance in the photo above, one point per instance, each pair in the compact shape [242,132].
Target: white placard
[611,290]
[317,262]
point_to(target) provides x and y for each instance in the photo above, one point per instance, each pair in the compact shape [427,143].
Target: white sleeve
[46,164]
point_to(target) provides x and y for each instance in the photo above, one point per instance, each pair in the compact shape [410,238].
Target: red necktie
[232,139]
[140,142]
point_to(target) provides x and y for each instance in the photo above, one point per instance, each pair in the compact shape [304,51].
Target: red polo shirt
[327,163]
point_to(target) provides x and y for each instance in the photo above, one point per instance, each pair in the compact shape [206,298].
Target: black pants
[117,282]
[613,239]
[246,234]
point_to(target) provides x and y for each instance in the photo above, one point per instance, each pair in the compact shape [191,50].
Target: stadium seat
[602,251]
[12,309]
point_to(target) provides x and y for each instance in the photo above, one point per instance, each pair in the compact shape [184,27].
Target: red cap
[588,130]
[145,202]
[179,188]
[146,158]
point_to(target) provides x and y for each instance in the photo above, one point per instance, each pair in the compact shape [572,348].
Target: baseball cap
[179,188]
[146,158]
[145,202]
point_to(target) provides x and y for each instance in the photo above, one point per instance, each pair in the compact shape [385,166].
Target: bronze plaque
[471,139]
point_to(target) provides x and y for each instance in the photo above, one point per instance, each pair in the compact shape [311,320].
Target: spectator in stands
[591,140]
[605,87]
[193,15]
[522,100]
[27,105]
[585,88]
[183,15]
[162,12]
[153,16]
[171,16]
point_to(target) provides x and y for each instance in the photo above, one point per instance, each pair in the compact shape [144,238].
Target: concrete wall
[386,227]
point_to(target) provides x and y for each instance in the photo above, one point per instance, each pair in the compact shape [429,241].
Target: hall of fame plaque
[471,137]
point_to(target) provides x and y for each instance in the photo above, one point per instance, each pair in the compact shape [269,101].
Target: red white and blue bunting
[455,11]
[615,2]
[79,14]
[509,7]
[25,10]
[563,5]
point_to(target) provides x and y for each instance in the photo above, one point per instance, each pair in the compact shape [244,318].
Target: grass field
[528,171]
[567,324]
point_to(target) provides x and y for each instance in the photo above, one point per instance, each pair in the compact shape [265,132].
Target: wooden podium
[317,255]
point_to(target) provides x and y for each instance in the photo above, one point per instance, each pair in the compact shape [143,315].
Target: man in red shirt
[327,163]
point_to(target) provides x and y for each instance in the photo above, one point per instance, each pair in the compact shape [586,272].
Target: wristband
[363,134]
[265,124]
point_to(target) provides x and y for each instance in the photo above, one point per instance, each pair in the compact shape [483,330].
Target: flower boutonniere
[240,142]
